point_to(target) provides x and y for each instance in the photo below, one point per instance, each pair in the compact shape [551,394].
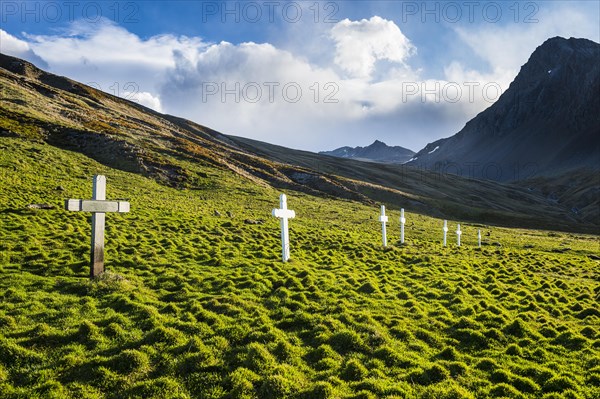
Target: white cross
[458,233]
[383,219]
[479,238]
[98,206]
[445,229]
[402,222]
[284,214]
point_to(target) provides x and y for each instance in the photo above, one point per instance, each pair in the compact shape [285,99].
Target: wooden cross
[445,229]
[458,233]
[98,206]
[284,214]
[383,219]
[479,238]
[402,222]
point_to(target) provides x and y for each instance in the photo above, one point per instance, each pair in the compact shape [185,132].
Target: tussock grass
[198,305]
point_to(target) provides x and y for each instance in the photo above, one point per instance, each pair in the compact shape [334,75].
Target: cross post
[402,222]
[284,214]
[445,229]
[479,238]
[383,219]
[98,206]
[458,233]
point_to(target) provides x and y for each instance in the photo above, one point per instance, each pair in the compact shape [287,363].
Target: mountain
[376,152]
[546,123]
[40,107]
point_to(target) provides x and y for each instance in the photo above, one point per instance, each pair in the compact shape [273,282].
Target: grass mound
[195,304]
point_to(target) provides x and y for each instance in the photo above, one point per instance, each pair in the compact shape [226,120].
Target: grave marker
[383,219]
[445,229]
[479,238]
[98,206]
[402,222]
[284,214]
[458,233]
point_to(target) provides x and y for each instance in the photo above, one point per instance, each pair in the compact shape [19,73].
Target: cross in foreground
[284,214]
[383,219]
[98,206]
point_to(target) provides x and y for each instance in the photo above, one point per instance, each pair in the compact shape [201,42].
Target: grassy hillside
[123,135]
[535,203]
[199,306]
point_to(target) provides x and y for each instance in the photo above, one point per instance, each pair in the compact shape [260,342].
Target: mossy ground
[200,306]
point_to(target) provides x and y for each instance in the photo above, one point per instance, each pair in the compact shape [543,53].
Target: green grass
[199,306]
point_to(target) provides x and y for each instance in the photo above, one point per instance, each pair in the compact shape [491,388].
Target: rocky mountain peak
[378,151]
[547,119]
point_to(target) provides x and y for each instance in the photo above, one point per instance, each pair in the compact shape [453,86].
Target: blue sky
[310,75]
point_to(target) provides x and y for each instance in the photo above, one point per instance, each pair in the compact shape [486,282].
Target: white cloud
[18,48]
[110,58]
[146,99]
[11,45]
[254,90]
[359,44]
[105,43]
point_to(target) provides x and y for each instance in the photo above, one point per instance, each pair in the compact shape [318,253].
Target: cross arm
[96,206]
[284,213]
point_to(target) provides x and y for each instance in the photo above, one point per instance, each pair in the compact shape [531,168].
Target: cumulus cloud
[359,44]
[12,45]
[104,43]
[110,58]
[19,48]
[146,99]
[255,90]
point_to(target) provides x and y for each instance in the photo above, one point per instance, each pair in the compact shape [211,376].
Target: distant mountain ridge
[376,152]
[546,123]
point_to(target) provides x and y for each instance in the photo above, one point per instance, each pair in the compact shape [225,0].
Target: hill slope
[376,152]
[545,124]
[43,107]
[444,194]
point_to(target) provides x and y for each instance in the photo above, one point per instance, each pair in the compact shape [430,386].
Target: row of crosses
[99,206]
[384,219]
